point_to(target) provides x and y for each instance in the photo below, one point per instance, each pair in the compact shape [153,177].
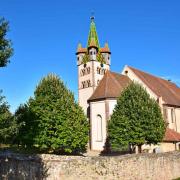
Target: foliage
[100,58]
[86,58]
[26,126]
[57,123]
[8,127]
[6,49]
[136,119]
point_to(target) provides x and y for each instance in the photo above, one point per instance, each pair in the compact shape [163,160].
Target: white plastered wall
[112,103]
[171,123]
[135,78]
[96,109]
[85,93]
[100,108]
[177,114]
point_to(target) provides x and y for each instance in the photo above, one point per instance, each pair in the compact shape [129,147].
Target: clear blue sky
[45,34]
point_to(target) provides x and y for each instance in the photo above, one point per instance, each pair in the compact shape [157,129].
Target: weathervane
[92,16]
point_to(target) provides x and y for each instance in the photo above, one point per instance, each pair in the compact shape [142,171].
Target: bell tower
[93,62]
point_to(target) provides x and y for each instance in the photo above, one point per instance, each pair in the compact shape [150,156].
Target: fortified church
[99,88]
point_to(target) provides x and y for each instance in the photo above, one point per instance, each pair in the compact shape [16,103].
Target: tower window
[83,72]
[83,84]
[88,83]
[88,70]
[98,70]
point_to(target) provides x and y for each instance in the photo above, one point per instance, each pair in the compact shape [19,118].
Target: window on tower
[88,83]
[83,84]
[98,82]
[88,70]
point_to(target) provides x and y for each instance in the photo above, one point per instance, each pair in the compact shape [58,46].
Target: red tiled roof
[81,50]
[105,50]
[110,86]
[171,136]
[169,92]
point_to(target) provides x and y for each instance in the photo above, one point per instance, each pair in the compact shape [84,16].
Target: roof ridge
[167,90]
[172,83]
[171,90]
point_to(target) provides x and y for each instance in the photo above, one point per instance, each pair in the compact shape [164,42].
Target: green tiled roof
[93,37]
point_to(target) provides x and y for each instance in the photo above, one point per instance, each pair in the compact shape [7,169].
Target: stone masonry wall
[146,166]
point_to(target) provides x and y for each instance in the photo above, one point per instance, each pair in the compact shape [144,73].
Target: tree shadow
[15,166]
[108,151]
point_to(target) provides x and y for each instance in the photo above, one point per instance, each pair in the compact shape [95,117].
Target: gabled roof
[171,136]
[110,86]
[169,91]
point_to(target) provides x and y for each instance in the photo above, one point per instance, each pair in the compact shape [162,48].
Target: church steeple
[93,40]
[93,62]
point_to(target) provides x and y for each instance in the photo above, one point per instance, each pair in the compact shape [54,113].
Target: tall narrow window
[88,70]
[88,83]
[98,82]
[165,115]
[99,128]
[172,115]
[98,70]
[83,84]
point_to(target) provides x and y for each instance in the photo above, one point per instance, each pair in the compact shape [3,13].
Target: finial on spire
[92,16]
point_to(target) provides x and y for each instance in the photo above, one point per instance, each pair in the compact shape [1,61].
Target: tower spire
[93,37]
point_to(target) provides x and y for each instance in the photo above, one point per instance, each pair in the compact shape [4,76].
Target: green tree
[6,49]
[61,125]
[136,119]
[26,126]
[8,127]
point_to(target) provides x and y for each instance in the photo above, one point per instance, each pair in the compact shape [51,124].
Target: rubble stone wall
[51,167]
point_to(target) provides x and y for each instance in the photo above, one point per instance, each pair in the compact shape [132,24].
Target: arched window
[97,70]
[98,82]
[88,83]
[83,72]
[83,84]
[88,70]
[102,71]
[99,128]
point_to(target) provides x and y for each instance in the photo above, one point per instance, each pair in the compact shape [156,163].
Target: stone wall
[146,166]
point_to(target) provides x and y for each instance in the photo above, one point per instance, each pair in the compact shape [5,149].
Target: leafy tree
[6,49]
[61,125]
[26,126]
[136,119]
[8,127]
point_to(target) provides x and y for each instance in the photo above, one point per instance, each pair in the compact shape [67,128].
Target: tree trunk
[132,148]
[139,148]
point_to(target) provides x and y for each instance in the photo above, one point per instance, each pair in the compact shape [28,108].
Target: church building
[99,88]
